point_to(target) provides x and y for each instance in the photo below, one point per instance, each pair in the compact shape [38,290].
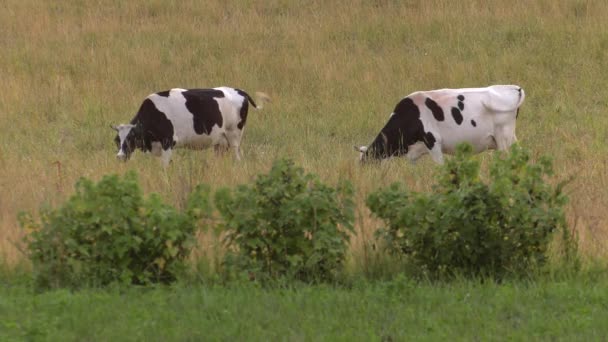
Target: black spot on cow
[151,125]
[460,98]
[457,115]
[244,108]
[429,140]
[204,108]
[163,93]
[461,105]
[403,129]
[473,123]
[435,109]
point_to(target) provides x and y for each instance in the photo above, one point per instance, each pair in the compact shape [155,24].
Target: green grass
[567,310]
[334,70]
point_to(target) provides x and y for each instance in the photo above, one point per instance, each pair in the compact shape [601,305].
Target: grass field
[399,310]
[334,71]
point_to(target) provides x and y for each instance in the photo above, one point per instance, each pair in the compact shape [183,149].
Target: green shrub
[468,227]
[287,225]
[107,232]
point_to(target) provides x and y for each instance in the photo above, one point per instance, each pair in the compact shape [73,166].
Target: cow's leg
[505,137]
[219,149]
[156,148]
[433,143]
[437,154]
[501,144]
[167,150]
[504,142]
[416,151]
[165,156]
[237,151]
[234,141]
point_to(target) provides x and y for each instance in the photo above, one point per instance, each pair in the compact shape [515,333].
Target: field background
[334,69]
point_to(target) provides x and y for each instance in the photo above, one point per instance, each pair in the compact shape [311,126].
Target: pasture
[400,310]
[334,71]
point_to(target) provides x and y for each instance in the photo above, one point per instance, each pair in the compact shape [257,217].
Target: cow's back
[463,117]
[198,116]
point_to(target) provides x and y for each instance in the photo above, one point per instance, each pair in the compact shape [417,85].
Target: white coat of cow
[193,118]
[436,121]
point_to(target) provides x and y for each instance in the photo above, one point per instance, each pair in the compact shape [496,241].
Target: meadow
[395,311]
[334,71]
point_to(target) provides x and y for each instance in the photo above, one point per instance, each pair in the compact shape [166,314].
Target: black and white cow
[192,118]
[436,121]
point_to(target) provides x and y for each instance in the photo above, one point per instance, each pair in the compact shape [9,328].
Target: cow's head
[376,151]
[362,152]
[366,155]
[129,138]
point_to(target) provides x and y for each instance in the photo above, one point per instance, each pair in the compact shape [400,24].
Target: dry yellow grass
[334,71]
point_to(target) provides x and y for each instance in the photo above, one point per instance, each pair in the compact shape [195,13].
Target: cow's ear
[114,127]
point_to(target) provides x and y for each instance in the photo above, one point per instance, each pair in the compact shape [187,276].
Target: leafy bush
[473,228]
[107,232]
[287,225]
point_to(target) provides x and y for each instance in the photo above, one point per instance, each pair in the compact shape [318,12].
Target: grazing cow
[192,118]
[436,121]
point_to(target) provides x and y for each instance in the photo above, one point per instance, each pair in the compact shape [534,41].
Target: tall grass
[334,70]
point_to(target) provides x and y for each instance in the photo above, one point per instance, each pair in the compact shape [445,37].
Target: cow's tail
[522,96]
[261,98]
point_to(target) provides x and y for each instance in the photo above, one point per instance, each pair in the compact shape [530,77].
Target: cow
[436,121]
[191,118]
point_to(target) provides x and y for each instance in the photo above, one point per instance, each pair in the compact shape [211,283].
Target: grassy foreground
[334,69]
[571,310]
